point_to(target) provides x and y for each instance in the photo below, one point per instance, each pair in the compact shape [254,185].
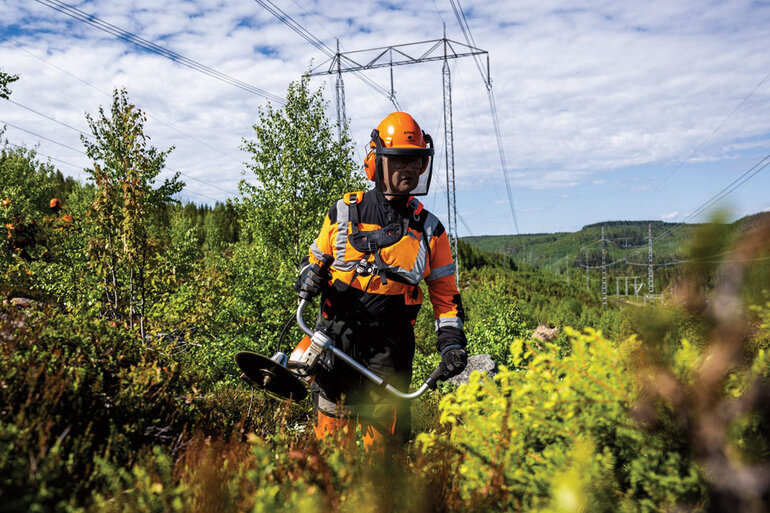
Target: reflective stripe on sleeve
[342,233]
[316,251]
[345,266]
[449,322]
[440,272]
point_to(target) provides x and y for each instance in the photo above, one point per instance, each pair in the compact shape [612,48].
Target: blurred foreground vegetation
[118,390]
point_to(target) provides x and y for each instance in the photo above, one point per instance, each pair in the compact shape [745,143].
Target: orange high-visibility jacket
[422,253]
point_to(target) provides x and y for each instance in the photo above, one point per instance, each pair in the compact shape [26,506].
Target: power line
[44,155]
[745,177]
[460,216]
[91,136]
[52,119]
[44,137]
[373,85]
[84,153]
[466,30]
[95,88]
[203,182]
[757,168]
[318,44]
[717,129]
[127,36]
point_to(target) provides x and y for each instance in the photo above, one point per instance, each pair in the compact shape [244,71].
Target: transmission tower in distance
[604,270]
[650,275]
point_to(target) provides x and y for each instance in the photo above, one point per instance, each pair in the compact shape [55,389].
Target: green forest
[123,309]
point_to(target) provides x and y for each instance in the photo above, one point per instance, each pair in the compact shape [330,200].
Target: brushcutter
[286,377]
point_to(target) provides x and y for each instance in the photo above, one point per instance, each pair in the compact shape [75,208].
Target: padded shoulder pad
[353,197]
[415,205]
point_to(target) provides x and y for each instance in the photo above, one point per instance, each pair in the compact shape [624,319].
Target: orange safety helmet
[54,204]
[399,135]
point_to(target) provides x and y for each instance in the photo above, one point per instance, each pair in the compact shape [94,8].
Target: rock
[545,333]
[480,362]
[23,302]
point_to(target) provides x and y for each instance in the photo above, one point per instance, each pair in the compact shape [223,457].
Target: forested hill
[626,240]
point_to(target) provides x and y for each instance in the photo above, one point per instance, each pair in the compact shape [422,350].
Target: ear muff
[370,164]
[370,161]
[429,145]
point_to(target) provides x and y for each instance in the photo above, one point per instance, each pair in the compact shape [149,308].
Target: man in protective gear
[383,243]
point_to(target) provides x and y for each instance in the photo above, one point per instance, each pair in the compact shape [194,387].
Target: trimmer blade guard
[270,376]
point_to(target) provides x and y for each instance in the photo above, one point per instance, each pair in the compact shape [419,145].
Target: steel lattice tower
[339,89]
[650,275]
[604,271]
[449,154]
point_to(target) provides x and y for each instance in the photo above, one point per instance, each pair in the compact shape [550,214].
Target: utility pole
[650,275]
[588,282]
[604,271]
[568,266]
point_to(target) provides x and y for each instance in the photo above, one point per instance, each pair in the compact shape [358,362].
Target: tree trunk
[131,298]
[114,303]
[142,292]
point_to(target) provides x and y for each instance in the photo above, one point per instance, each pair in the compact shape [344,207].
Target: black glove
[453,361]
[451,345]
[311,280]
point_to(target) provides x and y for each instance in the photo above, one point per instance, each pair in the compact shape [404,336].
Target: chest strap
[370,242]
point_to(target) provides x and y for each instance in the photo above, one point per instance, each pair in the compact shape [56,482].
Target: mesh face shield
[423,184]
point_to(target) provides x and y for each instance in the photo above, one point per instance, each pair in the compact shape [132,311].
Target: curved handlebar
[430,382]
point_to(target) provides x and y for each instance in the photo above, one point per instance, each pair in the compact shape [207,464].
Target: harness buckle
[364,268]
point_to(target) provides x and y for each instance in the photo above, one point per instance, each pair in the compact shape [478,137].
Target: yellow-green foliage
[557,433]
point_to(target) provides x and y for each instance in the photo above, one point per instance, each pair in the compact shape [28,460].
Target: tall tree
[301,169]
[124,171]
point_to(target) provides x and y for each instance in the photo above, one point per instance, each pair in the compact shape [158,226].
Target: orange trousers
[376,435]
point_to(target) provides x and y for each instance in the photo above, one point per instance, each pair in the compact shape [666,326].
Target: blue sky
[599,101]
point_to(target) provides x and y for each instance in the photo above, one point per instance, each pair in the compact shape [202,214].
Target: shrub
[553,433]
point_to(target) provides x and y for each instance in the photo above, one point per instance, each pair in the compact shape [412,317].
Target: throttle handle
[434,378]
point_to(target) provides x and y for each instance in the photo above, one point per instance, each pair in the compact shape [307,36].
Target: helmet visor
[407,172]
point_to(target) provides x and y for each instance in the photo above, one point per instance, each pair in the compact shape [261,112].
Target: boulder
[22,302]
[480,362]
[545,333]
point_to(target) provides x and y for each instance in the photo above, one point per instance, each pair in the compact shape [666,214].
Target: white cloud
[670,215]
[581,89]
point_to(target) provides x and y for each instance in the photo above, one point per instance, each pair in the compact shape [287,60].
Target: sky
[607,109]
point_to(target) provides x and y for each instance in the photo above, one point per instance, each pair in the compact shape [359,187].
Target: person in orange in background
[383,243]
[60,222]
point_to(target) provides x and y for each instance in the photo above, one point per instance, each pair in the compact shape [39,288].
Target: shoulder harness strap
[415,206]
[352,200]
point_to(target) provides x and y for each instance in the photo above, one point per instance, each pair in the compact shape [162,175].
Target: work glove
[451,345]
[311,280]
[453,361]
